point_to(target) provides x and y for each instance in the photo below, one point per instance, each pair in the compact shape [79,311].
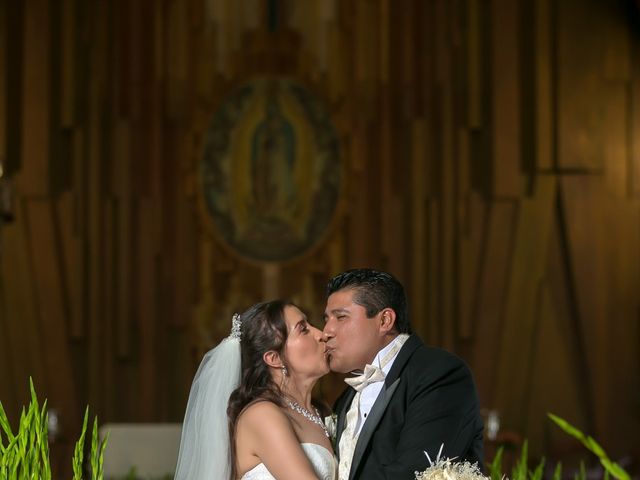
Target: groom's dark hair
[374,290]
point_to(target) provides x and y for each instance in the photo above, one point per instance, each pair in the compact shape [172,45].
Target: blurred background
[166,163]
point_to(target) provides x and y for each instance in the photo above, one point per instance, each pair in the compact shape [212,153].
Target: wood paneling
[4,18]
[505,95]
[35,174]
[490,159]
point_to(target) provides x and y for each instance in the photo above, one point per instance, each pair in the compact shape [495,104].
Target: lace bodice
[323,461]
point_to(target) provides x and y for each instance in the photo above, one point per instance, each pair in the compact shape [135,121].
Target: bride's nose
[318,335]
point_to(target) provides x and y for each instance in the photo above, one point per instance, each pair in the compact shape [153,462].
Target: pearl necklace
[296,407]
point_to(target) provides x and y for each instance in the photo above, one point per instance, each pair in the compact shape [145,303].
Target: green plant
[521,469]
[495,467]
[611,467]
[26,453]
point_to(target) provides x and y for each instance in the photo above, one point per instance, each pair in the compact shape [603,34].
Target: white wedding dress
[323,461]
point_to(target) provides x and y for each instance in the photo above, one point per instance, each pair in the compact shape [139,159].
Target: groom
[408,398]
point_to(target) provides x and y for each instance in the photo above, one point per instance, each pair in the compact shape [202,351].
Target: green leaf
[495,467]
[94,450]
[595,447]
[4,423]
[567,427]
[78,454]
[557,472]
[583,471]
[34,397]
[537,473]
[103,445]
[521,469]
[615,470]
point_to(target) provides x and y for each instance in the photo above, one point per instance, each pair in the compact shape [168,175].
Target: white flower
[331,422]
[447,469]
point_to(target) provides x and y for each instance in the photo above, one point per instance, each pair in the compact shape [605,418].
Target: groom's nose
[319,335]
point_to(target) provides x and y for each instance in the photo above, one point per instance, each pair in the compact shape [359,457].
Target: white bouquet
[448,469]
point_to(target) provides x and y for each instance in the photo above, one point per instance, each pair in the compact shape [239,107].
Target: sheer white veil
[205,447]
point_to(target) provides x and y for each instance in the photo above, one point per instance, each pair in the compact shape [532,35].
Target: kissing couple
[250,414]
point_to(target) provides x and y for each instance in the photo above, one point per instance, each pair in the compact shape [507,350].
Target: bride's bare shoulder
[260,412]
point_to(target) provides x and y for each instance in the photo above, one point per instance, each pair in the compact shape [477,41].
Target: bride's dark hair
[263,328]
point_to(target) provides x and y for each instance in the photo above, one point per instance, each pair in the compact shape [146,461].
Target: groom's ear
[272,359]
[387,320]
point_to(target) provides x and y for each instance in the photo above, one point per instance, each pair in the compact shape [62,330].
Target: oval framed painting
[271,170]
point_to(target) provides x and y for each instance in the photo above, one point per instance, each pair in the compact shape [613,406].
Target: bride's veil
[204,446]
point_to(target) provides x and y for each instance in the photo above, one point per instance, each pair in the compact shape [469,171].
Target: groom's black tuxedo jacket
[429,399]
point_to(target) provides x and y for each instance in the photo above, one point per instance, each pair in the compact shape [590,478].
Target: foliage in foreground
[521,470]
[25,454]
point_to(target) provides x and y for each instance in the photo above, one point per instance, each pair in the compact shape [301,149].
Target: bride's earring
[285,372]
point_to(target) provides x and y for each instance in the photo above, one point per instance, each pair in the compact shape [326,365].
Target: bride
[249,414]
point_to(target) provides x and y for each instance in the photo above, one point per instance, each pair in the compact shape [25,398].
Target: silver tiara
[236,323]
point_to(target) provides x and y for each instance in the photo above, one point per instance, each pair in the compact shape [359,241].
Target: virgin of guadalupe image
[273,156]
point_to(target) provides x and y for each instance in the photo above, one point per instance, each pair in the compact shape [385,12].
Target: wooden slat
[367,60]
[579,73]
[186,260]
[505,98]
[95,211]
[406,85]
[449,201]
[4,66]
[526,273]
[634,119]
[45,256]
[205,66]
[496,252]
[469,261]
[419,218]
[439,225]
[79,226]
[359,206]
[34,178]
[336,261]
[433,328]
[468,226]
[69,260]
[551,381]
[204,304]
[23,340]
[68,55]
[574,376]
[474,62]
[217,13]
[327,18]
[177,56]
[615,140]
[146,312]
[622,238]
[8,386]
[337,74]
[544,104]
[617,45]
[110,307]
[123,192]
[585,214]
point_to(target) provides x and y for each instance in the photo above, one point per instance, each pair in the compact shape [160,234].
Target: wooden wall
[491,154]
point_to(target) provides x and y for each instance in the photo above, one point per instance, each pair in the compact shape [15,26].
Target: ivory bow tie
[371,374]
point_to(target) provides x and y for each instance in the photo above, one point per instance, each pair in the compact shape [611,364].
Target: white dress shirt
[370,392]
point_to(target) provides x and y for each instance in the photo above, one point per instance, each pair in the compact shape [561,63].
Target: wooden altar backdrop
[489,155]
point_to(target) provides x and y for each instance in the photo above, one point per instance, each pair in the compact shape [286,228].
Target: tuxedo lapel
[371,423]
[342,415]
[410,346]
